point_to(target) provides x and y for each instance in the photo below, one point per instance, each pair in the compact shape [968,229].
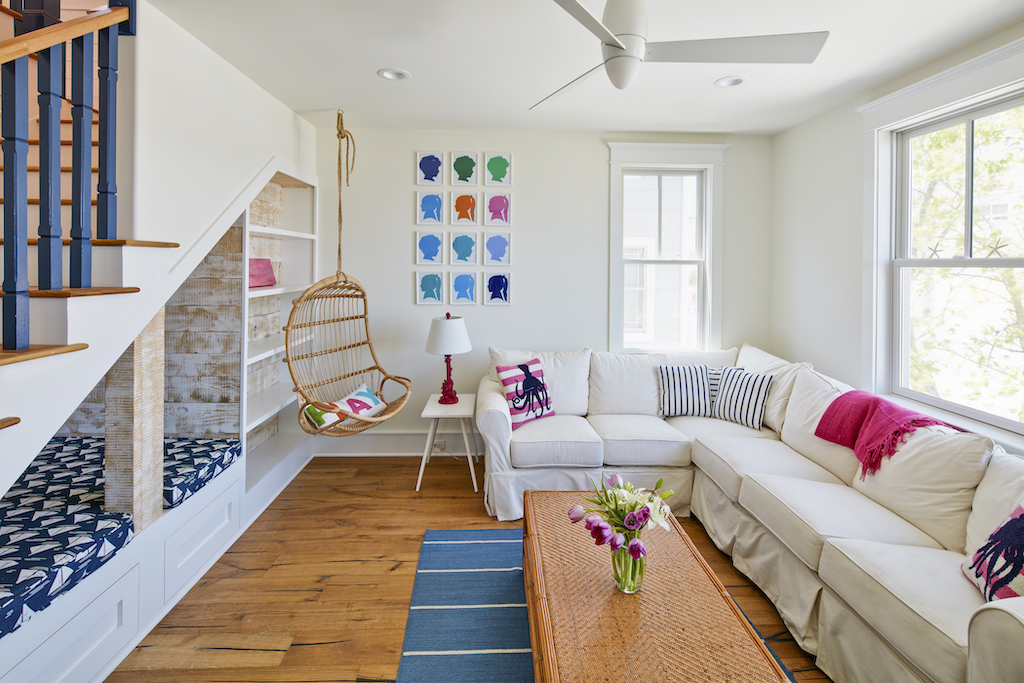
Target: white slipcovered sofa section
[866,573]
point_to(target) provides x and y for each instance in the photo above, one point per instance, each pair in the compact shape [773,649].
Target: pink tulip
[576,513]
[614,480]
[617,541]
[637,549]
[592,521]
[632,521]
[602,533]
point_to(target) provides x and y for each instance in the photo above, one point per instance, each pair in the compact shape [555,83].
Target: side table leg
[469,453]
[426,450]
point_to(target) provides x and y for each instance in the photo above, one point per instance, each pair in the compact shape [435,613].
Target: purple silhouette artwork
[498,206]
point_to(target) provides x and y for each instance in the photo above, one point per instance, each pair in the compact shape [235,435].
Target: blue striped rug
[467,618]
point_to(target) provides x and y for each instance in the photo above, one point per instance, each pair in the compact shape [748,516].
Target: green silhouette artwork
[497,166]
[464,167]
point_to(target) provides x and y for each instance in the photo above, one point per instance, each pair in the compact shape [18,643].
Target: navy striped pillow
[742,397]
[685,390]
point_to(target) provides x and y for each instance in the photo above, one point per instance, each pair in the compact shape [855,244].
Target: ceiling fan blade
[784,48]
[567,86]
[582,15]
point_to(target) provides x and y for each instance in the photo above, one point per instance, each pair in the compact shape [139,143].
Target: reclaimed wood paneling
[258,436]
[197,419]
[265,210]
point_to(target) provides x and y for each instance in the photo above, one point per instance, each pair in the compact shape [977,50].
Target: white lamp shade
[448,336]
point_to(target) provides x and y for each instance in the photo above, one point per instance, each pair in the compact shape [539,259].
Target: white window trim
[669,157]
[989,77]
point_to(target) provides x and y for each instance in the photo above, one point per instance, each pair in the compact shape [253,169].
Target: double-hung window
[663,209]
[958,266]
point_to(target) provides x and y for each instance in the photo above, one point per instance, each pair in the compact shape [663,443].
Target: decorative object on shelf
[465,168]
[327,339]
[430,168]
[447,337]
[496,289]
[497,248]
[497,209]
[261,273]
[498,168]
[621,515]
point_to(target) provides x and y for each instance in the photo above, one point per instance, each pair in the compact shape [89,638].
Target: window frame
[979,82]
[669,158]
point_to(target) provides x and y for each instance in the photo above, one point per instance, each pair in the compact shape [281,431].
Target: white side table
[461,411]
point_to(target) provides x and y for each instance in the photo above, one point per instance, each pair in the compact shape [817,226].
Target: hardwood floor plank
[317,590]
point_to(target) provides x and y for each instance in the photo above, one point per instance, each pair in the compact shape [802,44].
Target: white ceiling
[480,64]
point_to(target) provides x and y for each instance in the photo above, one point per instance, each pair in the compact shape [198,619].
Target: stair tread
[34,201]
[9,422]
[69,293]
[96,242]
[37,351]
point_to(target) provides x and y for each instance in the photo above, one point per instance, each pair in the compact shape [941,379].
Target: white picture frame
[464,249]
[497,168]
[497,248]
[465,208]
[430,208]
[462,171]
[429,171]
[496,288]
[429,248]
[429,287]
[463,288]
[497,208]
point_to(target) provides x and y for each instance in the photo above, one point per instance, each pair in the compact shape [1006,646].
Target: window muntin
[959,266]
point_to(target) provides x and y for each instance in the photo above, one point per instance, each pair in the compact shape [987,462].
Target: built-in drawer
[81,648]
[199,540]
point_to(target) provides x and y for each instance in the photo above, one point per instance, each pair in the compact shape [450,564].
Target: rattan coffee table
[682,626]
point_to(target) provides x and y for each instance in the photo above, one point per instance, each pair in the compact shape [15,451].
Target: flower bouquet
[622,513]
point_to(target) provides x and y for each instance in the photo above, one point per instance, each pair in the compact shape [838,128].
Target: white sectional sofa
[866,573]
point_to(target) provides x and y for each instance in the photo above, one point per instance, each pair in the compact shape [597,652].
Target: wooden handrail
[35,41]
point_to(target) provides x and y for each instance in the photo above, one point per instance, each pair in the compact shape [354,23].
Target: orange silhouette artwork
[466,206]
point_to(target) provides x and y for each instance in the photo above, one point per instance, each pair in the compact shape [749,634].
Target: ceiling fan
[623,34]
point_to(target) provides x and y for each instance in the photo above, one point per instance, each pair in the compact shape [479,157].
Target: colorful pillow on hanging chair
[362,402]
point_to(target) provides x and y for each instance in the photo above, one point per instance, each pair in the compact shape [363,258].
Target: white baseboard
[369,444]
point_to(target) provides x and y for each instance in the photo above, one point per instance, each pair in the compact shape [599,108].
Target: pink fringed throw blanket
[873,427]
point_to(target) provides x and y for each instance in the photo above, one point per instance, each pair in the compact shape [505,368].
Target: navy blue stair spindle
[14,129]
[106,197]
[51,89]
[81,161]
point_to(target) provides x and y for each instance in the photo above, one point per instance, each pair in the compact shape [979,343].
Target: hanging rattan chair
[327,343]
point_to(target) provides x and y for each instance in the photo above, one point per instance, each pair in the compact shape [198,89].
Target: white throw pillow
[566,374]
[362,402]
[685,390]
[1000,491]
[930,481]
[783,377]
[742,397]
[812,394]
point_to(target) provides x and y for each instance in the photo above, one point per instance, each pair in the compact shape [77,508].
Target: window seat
[53,529]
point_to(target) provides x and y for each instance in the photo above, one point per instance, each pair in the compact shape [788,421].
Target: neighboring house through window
[666,203]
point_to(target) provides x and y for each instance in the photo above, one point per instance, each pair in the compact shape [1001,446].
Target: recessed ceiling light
[730,81]
[393,74]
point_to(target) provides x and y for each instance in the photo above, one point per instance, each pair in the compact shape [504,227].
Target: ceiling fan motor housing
[627,20]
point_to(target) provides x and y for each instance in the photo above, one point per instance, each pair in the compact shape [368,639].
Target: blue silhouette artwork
[430,207]
[430,287]
[464,247]
[430,246]
[465,288]
[497,288]
[430,165]
[497,249]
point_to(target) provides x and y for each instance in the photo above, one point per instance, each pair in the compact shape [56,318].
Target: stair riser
[106,267]
[66,152]
[65,184]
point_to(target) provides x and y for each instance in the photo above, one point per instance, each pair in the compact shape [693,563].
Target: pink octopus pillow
[996,567]
[525,391]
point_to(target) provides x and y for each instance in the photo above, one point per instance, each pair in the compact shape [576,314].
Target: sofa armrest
[494,422]
[995,634]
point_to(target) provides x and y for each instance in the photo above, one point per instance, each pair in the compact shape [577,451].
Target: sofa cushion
[930,481]
[627,383]
[698,427]
[566,374]
[684,390]
[727,459]
[804,514]
[1000,491]
[640,440]
[557,441]
[742,397]
[525,391]
[783,373]
[812,394]
[914,597]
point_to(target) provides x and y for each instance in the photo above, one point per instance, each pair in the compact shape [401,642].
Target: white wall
[560,232]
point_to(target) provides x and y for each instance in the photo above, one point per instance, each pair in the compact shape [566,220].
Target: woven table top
[681,626]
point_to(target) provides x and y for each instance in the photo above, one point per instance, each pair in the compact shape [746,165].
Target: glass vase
[628,573]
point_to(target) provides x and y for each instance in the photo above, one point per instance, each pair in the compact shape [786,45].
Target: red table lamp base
[448,395]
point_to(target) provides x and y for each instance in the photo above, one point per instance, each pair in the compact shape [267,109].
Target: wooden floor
[318,588]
